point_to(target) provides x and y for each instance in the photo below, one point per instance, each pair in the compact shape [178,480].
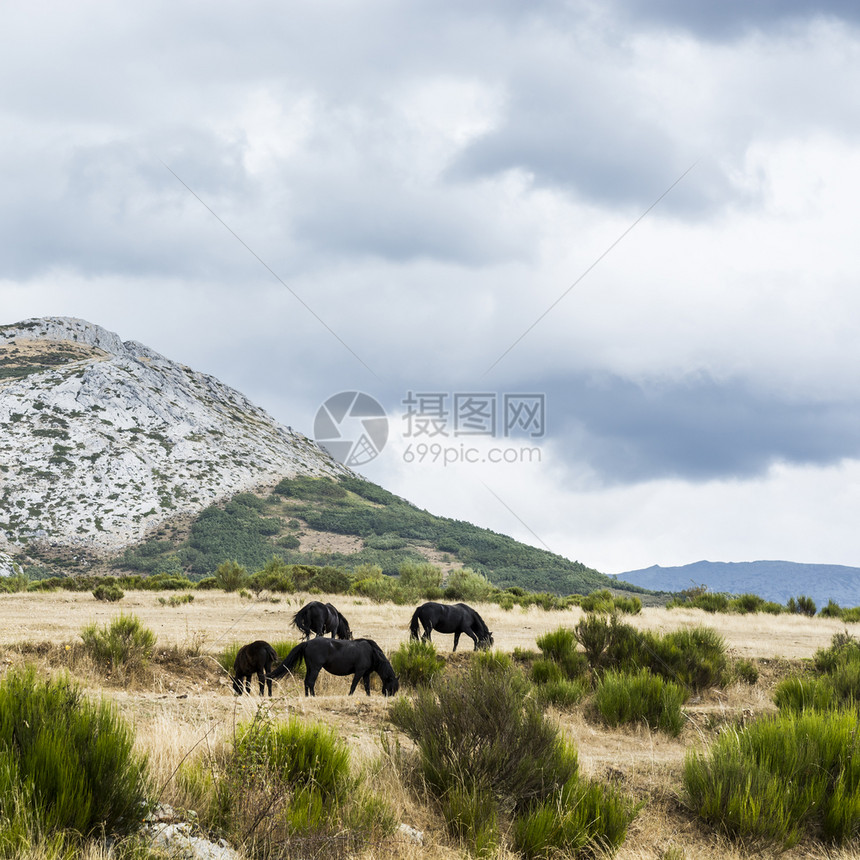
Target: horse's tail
[345,632]
[300,622]
[413,624]
[290,661]
[271,656]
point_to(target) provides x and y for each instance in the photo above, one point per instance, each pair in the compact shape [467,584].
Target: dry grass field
[184,704]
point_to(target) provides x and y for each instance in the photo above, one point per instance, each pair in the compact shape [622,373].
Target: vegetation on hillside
[250,530]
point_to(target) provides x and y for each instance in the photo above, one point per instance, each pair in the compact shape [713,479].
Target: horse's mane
[378,653]
[483,630]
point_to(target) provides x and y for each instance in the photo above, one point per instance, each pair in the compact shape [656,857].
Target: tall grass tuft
[416,663]
[67,765]
[781,779]
[585,819]
[124,644]
[642,697]
[286,789]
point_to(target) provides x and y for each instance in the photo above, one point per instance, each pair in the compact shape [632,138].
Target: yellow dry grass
[184,705]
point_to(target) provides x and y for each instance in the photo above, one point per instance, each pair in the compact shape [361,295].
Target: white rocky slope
[104,439]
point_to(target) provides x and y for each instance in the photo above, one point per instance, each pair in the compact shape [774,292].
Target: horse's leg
[261,677]
[472,637]
[428,630]
[311,675]
[367,682]
[456,640]
[355,679]
[247,684]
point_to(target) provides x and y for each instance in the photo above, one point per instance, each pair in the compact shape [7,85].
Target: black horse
[360,656]
[455,619]
[257,658]
[319,618]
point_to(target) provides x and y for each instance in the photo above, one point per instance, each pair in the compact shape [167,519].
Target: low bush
[67,765]
[781,779]
[110,593]
[563,693]
[744,670]
[416,663]
[799,694]
[420,581]
[694,657]
[586,819]
[469,586]
[642,697]
[230,576]
[802,605]
[124,644]
[176,600]
[484,746]
[286,789]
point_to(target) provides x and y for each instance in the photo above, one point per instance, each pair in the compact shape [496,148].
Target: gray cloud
[733,18]
[696,429]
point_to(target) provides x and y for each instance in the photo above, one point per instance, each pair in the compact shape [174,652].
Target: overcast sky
[646,212]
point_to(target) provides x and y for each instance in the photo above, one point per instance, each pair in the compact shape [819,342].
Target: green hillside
[387,531]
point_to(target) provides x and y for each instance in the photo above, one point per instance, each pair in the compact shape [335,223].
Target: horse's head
[237,686]
[391,686]
[486,642]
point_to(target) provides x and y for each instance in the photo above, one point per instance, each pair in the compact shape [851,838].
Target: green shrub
[598,601]
[230,576]
[746,604]
[294,752]
[628,605]
[176,600]
[557,645]
[832,610]
[287,790]
[482,730]
[416,663]
[798,694]
[695,657]
[586,819]
[802,605]
[563,693]
[781,779]
[745,670]
[67,764]
[420,581]
[110,593]
[624,698]
[472,816]
[380,589]
[468,586]
[123,644]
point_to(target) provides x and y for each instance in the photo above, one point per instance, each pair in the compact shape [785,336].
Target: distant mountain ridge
[772,580]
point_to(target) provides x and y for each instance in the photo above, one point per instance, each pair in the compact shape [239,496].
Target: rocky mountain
[772,580]
[102,439]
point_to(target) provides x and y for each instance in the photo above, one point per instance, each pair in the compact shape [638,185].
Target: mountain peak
[104,439]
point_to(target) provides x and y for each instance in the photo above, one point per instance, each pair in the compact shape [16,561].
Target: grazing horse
[455,619]
[319,618]
[359,656]
[257,658]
